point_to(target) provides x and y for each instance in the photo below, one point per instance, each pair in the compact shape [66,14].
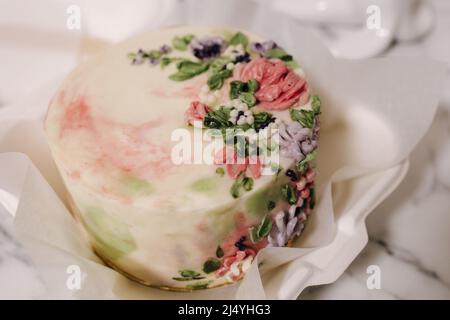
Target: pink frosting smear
[126,147]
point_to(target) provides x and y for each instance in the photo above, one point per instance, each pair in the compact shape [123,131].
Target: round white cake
[185,151]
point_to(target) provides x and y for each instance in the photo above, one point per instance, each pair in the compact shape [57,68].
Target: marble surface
[409,233]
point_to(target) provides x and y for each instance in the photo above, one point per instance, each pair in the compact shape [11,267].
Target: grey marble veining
[18,278]
[409,232]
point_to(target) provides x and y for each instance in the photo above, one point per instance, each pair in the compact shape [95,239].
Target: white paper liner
[374,113]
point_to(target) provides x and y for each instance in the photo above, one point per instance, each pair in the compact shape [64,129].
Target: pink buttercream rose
[279,86]
[196,112]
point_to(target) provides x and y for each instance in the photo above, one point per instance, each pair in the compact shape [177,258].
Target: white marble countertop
[409,232]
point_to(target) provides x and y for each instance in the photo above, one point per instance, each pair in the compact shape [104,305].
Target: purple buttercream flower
[306,146]
[286,226]
[242,58]
[207,48]
[153,61]
[138,57]
[295,141]
[257,47]
[269,45]
[263,47]
[165,49]
[137,60]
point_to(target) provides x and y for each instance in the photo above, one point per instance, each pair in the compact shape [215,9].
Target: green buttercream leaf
[265,227]
[261,231]
[211,265]
[235,189]
[278,54]
[199,285]
[302,165]
[244,91]
[315,104]
[218,119]
[254,237]
[219,252]
[262,119]
[219,64]
[181,43]
[188,69]
[312,203]
[289,194]
[165,61]
[292,64]
[153,54]
[247,183]
[241,182]
[188,273]
[187,279]
[271,205]
[252,85]
[236,87]
[248,98]
[304,117]
[239,38]
[216,80]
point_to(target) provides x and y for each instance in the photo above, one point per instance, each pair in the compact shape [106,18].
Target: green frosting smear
[259,203]
[136,186]
[111,236]
[205,184]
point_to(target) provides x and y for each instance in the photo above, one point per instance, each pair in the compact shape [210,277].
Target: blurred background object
[360,28]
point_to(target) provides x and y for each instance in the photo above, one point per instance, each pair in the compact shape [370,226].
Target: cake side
[115,127]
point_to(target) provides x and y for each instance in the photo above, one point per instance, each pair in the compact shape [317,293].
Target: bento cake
[112,129]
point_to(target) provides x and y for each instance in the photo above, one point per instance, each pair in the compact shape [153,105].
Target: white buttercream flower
[230,66]
[238,268]
[239,116]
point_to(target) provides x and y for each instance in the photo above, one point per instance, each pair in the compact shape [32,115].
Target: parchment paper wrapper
[374,113]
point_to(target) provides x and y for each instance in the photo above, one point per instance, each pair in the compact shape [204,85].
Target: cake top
[125,122]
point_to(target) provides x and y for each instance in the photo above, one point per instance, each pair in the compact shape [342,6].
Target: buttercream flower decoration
[263,47]
[153,56]
[244,82]
[207,48]
[286,226]
[235,266]
[279,86]
[295,141]
[305,190]
[196,113]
